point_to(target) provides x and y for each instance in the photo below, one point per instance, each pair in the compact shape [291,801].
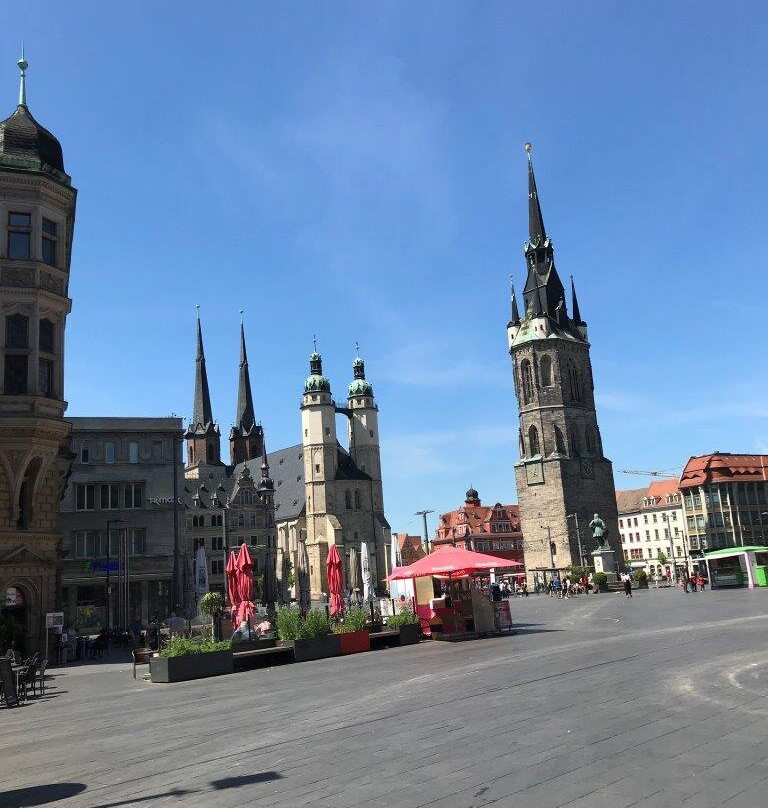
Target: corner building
[563,478]
[37,218]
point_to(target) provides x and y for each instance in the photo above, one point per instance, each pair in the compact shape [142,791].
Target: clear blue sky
[355,170]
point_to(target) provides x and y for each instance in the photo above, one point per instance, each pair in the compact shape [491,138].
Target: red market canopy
[451,562]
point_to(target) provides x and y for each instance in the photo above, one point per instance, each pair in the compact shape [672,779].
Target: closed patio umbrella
[354,572]
[302,577]
[333,568]
[233,592]
[244,565]
[365,565]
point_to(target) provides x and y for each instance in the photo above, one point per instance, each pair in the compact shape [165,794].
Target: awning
[451,562]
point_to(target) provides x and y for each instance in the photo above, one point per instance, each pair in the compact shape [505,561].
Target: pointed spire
[513,303]
[266,482]
[23,65]
[536,232]
[244,418]
[576,314]
[202,411]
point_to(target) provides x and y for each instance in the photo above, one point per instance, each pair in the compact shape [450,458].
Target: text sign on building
[54,620]
[164,500]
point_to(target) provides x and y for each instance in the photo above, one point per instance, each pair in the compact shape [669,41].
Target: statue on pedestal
[599,532]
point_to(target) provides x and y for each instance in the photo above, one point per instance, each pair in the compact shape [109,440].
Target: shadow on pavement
[246,779]
[39,795]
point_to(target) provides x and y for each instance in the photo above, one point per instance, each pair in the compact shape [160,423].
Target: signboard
[14,597]
[54,620]
[100,566]
[165,500]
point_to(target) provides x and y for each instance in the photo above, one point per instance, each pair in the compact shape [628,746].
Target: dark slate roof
[22,137]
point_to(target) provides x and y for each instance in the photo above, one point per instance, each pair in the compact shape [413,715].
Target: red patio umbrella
[244,563]
[451,562]
[233,593]
[333,565]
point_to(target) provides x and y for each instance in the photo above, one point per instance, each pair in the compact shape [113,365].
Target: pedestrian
[685,582]
[693,580]
[557,587]
[566,587]
[702,582]
[627,581]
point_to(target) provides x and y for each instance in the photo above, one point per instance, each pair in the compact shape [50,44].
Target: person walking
[693,579]
[627,581]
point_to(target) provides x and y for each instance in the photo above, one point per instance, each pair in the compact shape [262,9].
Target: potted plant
[212,605]
[600,580]
[408,624]
[642,579]
[354,635]
[310,636]
[185,658]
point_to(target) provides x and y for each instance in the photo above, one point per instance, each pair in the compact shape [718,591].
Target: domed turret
[472,498]
[316,381]
[23,141]
[360,386]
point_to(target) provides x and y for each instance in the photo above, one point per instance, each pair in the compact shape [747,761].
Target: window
[574,384]
[621,523]
[635,519]
[19,232]
[654,519]
[133,495]
[85,497]
[217,544]
[49,242]
[17,331]
[109,452]
[327,430]
[645,518]
[666,532]
[85,455]
[136,539]
[217,520]
[246,497]
[357,500]
[86,543]
[45,378]
[656,533]
[527,379]
[217,566]
[347,499]
[15,376]
[109,498]
[575,442]
[198,521]
[533,441]
[133,452]
[241,520]
[559,441]
[317,468]
[370,432]
[545,368]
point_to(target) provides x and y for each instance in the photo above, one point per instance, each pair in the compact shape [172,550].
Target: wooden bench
[277,652]
[141,656]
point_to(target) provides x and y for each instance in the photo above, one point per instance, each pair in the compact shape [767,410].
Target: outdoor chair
[27,680]
[8,690]
[39,684]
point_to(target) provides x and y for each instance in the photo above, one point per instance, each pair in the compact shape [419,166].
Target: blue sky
[355,170]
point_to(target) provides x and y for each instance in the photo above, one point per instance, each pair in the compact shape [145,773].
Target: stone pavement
[598,701]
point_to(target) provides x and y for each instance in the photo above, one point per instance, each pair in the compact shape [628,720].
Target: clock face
[534,473]
[587,467]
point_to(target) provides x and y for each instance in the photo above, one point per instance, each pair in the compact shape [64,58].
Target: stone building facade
[563,477]
[121,522]
[37,218]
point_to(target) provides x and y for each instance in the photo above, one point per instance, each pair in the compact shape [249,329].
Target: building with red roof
[492,529]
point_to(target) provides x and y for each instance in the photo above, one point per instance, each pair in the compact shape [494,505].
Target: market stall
[463,609]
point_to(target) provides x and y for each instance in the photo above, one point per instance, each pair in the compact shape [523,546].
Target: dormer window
[19,234]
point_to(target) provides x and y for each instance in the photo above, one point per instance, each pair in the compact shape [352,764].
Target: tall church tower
[320,450]
[203,435]
[37,216]
[246,438]
[562,476]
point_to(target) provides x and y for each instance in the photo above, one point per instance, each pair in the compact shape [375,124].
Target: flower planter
[316,648]
[354,642]
[254,645]
[191,666]
[410,634]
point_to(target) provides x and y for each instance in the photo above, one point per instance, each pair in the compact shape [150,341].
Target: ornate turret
[359,386]
[316,381]
[245,437]
[472,497]
[266,483]
[203,436]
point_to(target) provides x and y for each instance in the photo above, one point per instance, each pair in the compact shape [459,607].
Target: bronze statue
[599,532]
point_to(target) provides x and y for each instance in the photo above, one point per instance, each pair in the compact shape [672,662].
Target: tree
[212,604]
[662,557]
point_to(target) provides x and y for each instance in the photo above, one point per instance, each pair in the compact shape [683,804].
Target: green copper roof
[360,387]
[315,382]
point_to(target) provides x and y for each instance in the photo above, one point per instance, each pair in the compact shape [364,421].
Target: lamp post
[575,518]
[423,515]
[109,564]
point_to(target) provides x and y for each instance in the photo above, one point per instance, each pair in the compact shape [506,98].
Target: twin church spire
[246,438]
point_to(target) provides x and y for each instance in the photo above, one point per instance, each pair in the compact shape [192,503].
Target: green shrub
[288,623]
[315,624]
[212,604]
[356,619]
[183,646]
[406,617]
[640,576]
[600,579]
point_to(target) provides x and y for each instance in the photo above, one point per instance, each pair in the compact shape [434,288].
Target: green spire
[23,65]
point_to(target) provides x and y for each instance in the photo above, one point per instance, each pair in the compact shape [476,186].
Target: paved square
[598,701]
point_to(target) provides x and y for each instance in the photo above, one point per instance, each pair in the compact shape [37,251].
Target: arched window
[533,441]
[574,385]
[210,453]
[545,369]
[590,441]
[527,379]
[347,499]
[357,500]
[559,441]
[26,491]
[575,442]
[246,497]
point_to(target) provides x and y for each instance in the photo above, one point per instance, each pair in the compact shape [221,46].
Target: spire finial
[528,149]
[357,349]
[314,341]
[197,311]
[241,316]
[23,65]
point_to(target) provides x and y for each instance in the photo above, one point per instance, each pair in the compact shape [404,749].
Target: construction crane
[650,473]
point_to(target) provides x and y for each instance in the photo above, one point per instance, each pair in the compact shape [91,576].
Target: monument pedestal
[603,561]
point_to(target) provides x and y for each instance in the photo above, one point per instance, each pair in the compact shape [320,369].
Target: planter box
[192,666]
[354,642]
[410,635]
[318,648]
[254,645]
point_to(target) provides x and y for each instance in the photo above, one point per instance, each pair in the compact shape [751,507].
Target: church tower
[364,429]
[562,476]
[320,451]
[37,217]
[203,435]
[246,439]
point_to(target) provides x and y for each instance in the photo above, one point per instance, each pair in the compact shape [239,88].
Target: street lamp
[423,514]
[109,564]
[575,517]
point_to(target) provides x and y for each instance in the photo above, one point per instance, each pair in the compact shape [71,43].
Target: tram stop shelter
[737,566]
